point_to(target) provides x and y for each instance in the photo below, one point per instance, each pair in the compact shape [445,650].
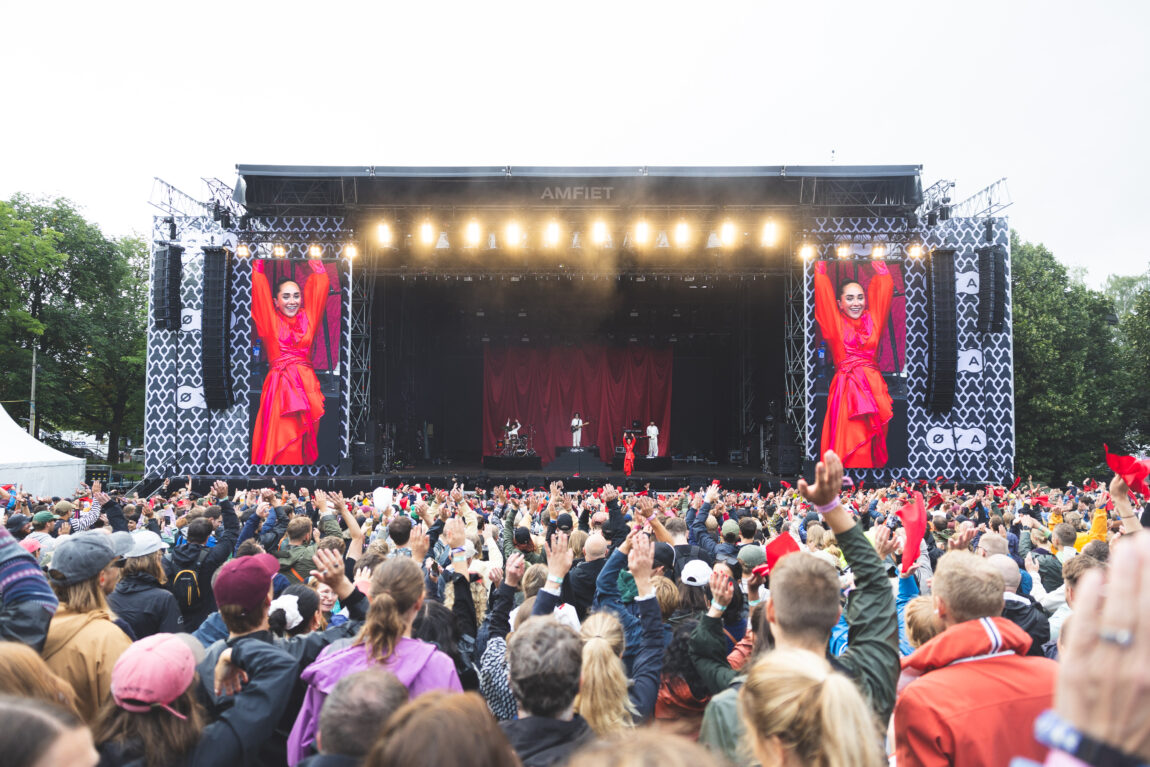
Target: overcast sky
[101,97]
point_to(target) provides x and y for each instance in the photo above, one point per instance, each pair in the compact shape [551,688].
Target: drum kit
[517,445]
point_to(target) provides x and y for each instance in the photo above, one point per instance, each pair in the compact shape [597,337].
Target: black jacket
[146,606]
[330,760]
[542,742]
[1029,617]
[579,586]
[184,557]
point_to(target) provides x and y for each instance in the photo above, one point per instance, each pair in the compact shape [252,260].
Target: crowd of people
[911,624]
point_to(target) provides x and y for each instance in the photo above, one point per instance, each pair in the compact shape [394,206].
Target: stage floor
[473,474]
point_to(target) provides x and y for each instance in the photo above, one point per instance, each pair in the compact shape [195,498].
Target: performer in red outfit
[859,407]
[629,458]
[291,403]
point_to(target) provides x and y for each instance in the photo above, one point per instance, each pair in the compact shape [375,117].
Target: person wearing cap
[140,598]
[41,521]
[20,525]
[27,602]
[243,594]
[83,642]
[154,716]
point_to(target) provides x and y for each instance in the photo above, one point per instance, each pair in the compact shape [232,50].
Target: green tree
[1136,356]
[79,297]
[1071,388]
[1124,290]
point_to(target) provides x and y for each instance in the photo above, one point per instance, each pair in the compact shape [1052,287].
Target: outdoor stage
[462,297]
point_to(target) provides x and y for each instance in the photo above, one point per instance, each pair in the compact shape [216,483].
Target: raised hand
[722,589]
[610,493]
[640,561]
[559,556]
[513,569]
[454,533]
[828,481]
[329,567]
[419,543]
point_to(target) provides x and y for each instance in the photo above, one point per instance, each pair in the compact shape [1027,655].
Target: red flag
[861,483]
[913,517]
[1132,470]
[785,484]
[935,501]
[759,488]
[779,548]
[1017,481]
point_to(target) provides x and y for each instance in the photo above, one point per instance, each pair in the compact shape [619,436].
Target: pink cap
[153,672]
[245,581]
[31,545]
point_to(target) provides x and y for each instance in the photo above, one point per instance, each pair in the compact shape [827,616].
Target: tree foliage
[1072,390]
[81,298]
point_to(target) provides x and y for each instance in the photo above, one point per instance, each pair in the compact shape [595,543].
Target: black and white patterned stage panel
[181,436]
[974,442]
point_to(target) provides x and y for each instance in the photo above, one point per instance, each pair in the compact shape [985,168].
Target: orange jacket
[976,697]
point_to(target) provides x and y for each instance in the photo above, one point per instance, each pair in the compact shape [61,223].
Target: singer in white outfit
[652,440]
[576,431]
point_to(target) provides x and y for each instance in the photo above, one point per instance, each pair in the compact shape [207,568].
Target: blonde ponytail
[603,700]
[815,713]
[396,587]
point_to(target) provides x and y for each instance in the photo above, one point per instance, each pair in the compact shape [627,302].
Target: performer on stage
[577,430]
[629,457]
[859,407]
[291,402]
[512,427]
[652,440]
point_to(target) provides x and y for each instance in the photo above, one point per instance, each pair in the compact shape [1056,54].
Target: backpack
[185,586]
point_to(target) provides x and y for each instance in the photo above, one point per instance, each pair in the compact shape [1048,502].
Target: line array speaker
[942,364]
[169,263]
[217,319]
[991,289]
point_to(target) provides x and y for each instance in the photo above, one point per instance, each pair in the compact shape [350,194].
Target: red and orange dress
[291,403]
[629,456]
[859,406]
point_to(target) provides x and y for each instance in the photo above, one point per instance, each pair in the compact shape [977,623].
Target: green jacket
[296,561]
[871,657]
[535,557]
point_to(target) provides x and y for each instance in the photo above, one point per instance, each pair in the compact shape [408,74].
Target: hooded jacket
[296,561]
[82,648]
[542,741]
[186,556]
[145,606]
[1029,617]
[975,699]
[418,665]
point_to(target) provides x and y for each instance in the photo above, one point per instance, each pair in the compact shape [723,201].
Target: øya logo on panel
[970,361]
[190,320]
[191,398]
[966,282]
[957,438]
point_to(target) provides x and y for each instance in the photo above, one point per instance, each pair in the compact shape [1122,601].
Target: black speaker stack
[991,289]
[942,367]
[169,263]
[217,319]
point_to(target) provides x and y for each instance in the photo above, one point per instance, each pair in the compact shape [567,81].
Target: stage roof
[825,190]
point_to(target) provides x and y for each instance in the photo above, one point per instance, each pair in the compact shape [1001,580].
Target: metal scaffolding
[794,353]
[359,355]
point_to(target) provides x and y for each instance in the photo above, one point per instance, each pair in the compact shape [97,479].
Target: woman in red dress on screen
[859,407]
[291,403]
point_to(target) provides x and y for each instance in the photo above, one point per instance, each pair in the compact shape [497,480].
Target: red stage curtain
[608,386]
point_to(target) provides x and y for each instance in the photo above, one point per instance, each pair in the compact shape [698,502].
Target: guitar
[577,428]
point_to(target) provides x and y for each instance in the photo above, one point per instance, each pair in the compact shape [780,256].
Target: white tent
[25,460]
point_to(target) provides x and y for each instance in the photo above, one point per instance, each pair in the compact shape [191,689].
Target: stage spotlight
[770,234]
[279,251]
[513,234]
[242,251]
[351,251]
[877,251]
[727,234]
[315,251]
[682,233]
[642,233]
[843,250]
[472,235]
[915,251]
[598,232]
[383,232]
[426,233]
[807,252]
[551,234]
